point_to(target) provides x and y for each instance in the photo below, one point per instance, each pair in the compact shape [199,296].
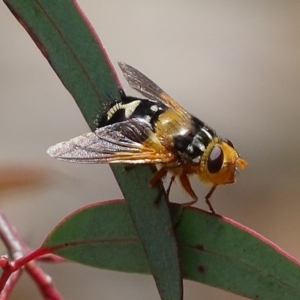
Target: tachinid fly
[156,130]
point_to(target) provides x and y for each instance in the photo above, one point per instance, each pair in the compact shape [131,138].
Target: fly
[156,130]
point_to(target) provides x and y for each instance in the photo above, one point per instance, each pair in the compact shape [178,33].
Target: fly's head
[219,163]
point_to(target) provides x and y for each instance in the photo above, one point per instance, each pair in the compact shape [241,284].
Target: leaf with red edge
[90,236]
[214,250]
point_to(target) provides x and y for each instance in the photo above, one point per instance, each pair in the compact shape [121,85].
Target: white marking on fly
[147,118]
[129,109]
[200,145]
[112,111]
[183,131]
[207,133]
[196,143]
[154,108]
[197,159]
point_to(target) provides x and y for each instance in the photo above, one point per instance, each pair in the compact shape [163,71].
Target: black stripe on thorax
[194,142]
[132,107]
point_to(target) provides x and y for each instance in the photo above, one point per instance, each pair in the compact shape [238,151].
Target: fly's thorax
[132,108]
[219,163]
[172,123]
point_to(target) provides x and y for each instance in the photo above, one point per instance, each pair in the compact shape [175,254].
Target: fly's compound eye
[215,160]
[228,142]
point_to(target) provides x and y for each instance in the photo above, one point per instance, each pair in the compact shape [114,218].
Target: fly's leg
[188,188]
[161,173]
[170,184]
[207,197]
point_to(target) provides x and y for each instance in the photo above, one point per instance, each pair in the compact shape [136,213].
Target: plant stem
[18,252]
[9,285]
[43,281]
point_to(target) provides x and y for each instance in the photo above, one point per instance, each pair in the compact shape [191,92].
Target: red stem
[10,237]
[20,258]
[43,282]
[9,285]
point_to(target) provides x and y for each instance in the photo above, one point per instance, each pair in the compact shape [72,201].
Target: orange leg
[207,197]
[170,184]
[187,186]
[158,176]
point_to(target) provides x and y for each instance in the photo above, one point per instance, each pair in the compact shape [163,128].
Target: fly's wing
[147,87]
[131,141]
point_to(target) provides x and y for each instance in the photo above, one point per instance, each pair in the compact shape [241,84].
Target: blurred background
[234,64]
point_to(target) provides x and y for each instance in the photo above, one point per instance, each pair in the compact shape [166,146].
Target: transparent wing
[147,87]
[131,141]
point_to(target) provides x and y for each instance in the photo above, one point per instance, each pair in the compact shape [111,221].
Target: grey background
[234,64]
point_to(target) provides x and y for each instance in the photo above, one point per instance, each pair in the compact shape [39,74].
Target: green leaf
[79,59]
[213,250]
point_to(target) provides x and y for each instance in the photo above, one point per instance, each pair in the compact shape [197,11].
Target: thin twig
[20,256]
[10,238]
[43,281]
[10,283]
